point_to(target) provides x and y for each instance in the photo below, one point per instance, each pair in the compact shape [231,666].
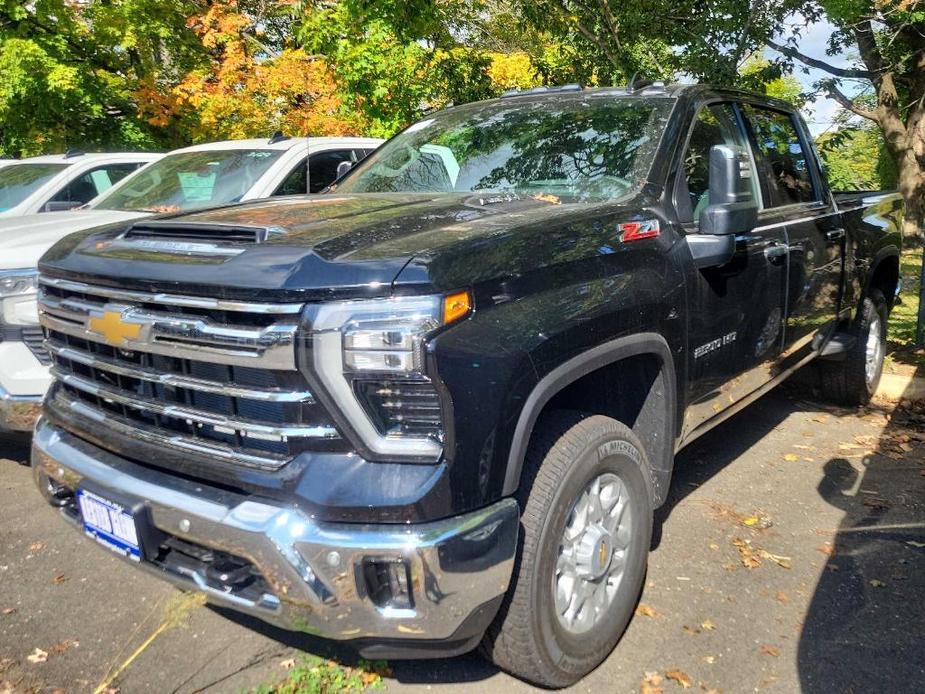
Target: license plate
[109,523]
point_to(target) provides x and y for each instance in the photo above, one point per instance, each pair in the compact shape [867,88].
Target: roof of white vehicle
[284,144]
[89,157]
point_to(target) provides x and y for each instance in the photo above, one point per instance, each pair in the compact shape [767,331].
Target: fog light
[388,583]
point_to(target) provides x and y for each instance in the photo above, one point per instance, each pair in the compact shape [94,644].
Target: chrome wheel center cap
[594,552]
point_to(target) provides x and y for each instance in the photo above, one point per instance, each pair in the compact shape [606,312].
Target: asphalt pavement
[790,557]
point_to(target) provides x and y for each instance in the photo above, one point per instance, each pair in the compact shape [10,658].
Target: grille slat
[254,415]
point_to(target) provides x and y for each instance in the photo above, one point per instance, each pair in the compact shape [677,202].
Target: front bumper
[314,577]
[19,412]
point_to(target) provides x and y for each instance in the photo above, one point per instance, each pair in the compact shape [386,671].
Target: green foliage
[314,675]
[855,158]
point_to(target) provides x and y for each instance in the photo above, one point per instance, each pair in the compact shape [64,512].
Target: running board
[837,347]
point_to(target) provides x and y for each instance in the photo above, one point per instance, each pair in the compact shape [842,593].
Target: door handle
[776,252]
[835,234]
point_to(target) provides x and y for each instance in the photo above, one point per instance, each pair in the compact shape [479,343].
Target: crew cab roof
[284,144]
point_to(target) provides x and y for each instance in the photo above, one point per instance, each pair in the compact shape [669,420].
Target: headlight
[18,289]
[369,359]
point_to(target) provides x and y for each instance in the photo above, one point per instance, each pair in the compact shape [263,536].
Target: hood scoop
[190,238]
[196,232]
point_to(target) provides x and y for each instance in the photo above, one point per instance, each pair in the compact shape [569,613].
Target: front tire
[586,529]
[854,380]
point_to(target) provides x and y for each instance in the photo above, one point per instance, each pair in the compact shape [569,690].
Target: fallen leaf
[63,646]
[37,656]
[832,567]
[747,555]
[691,630]
[680,677]
[821,419]
[781,597]
[791,458]
[36,547]
[287,664]
[645,610]
[708,625]
[651,684]
[827,548]
[783,562]
[58,579]
[709,659]
[9,610]
[770,650]
[877,583]
[913,543]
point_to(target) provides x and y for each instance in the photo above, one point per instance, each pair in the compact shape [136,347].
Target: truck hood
[318,247]
[23,240]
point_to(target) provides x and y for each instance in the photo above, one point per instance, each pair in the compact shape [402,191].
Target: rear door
[795,196]
[736,311]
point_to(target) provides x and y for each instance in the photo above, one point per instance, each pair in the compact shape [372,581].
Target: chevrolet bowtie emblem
[114,329]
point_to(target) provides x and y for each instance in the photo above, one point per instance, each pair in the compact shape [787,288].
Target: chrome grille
[225,390]
[33,338]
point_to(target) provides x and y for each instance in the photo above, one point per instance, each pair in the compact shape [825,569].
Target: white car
[185,179]
[62,181]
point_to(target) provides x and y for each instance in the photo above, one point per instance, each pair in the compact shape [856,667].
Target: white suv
[62,181]
[194,177]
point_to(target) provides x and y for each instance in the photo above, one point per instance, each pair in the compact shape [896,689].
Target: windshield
[190,180]
[19,181]
[590,148]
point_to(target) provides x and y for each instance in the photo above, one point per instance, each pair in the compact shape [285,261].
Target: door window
[323,167]
[714,125]
[323,172]
[781,157]
[94,182]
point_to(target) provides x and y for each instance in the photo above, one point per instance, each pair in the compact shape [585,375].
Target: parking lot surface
[790,557]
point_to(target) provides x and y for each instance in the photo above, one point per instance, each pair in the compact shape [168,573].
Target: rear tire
[853,380]
[586,529]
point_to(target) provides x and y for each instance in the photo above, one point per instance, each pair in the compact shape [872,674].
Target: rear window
[782,161]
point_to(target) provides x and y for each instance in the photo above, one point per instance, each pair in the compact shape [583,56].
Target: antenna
[71,152]
[277,137]
[638,82]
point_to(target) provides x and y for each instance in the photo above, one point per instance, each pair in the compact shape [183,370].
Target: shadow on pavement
[15,447]
[864,630]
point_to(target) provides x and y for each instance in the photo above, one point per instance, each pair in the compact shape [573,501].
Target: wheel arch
[655,420]
[884,274]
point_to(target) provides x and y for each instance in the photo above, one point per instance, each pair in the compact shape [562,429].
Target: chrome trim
[171,299]
[189,337]
[457,565]
[168,379]
[173,247]
[19,412]
[246,427]
[215,451]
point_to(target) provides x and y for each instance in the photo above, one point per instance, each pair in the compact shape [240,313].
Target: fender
[881,255]
[570,371]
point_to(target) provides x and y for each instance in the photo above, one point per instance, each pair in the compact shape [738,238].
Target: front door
[736,311]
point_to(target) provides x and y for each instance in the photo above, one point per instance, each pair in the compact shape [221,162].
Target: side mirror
[60,205]
[732,209]
[343,168]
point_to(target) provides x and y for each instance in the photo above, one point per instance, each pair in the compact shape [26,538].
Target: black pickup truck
[436,407]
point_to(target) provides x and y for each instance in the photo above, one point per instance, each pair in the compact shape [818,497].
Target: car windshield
[19,181]
[190,180]
[594,147]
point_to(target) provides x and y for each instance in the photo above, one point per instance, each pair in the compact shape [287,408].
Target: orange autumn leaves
[245,92]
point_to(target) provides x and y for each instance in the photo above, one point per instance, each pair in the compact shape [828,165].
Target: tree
[249,88]
[70,71]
